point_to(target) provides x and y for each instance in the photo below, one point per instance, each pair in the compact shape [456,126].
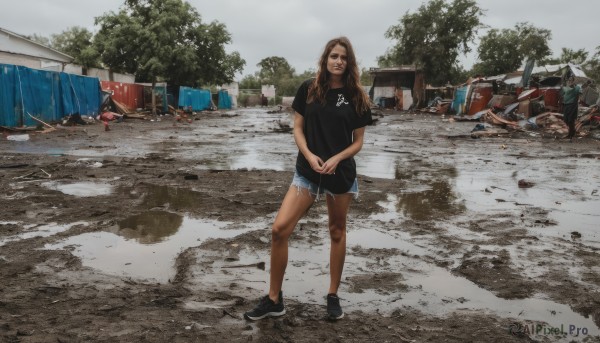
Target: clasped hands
[328,167]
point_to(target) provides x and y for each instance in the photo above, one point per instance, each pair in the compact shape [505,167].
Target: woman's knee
[337,231]
[280,232]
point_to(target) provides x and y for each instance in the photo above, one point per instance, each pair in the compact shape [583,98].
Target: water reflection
[176,198]
[436,202]
[150,227]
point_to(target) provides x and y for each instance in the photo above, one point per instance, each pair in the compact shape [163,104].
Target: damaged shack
[401,87]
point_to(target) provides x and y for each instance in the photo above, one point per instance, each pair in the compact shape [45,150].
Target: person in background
[569,93]
[331,112]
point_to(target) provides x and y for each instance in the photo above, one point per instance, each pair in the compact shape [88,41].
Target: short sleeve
[299,104]
[364,120]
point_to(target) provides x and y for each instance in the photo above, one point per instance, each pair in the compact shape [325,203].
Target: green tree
[250,82]
[569,56]
[592,66]
[498,53]
[77,42]
[503,51]
[166,40]
[273,69]
[533,41]
[39,39]
[433,37]
[365,77]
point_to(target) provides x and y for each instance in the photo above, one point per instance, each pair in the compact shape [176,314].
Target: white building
[18,50]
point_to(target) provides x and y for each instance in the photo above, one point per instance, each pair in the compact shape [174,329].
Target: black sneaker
[334,310]
[266,308]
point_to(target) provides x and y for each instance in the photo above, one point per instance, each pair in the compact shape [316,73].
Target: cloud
[298,29]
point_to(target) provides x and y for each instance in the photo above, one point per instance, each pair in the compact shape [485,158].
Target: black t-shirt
[328,130]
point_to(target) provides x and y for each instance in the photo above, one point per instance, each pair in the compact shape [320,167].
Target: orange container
[551,97]
[481,95]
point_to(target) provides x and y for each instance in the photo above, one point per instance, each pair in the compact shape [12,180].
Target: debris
[259,265]
[18,138]
[525,184]
[42,122]
[283,126]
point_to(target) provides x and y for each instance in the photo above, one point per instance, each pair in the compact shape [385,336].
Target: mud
[158,231]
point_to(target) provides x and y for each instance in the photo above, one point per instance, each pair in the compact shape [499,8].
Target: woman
[331,112]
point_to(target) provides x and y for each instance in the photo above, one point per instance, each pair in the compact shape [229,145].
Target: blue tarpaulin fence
[46,95]
[224,100]
[198,99]
[460,100]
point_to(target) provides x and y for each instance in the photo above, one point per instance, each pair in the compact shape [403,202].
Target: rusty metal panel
[129,94]
[551,97]
[480,97]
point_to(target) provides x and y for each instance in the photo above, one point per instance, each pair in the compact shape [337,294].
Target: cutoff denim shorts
[317,190]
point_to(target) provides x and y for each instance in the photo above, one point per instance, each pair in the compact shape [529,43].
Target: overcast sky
[298,29]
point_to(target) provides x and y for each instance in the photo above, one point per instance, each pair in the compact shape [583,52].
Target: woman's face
[337,61]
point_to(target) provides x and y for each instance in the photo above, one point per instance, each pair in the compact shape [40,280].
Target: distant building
[398,87]
[18,50]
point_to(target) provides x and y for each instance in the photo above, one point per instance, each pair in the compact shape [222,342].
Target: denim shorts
[316,190]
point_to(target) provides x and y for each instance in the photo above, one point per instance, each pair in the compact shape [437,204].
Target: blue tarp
[198,99]
[460,100]
[47,95]
[224,100]
[162,91]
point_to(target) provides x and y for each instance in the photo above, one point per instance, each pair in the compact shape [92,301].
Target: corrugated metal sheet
[481,95]
[129,94]
[224,100]
[459,104]
[47,95]
[198,99]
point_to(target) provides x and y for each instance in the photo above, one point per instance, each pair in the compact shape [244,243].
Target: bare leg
[294,206]
[338,210]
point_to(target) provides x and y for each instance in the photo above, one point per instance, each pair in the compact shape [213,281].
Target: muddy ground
[158,231]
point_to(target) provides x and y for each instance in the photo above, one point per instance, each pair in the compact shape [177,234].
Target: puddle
[248,141]
[375,239]
[174,198]
[145,246]
[573,209]
[430,289]
[32,231]
[439,201]
[80,189]
[150,227]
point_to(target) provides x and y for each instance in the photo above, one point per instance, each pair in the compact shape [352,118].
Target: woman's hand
[330,165]
[316,163]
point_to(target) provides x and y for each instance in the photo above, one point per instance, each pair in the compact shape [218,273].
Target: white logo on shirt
[341,100]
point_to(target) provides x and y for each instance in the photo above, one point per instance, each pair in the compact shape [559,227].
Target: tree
[533,41]
[498,53]
[592,66]
[166,40]
[503,51]
[39,39]
[569,56]
[273,69]
[250,82]
[365,77]
[433,37]
[77,42]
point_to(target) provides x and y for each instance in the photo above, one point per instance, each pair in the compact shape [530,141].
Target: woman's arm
[357,142]
[316,163]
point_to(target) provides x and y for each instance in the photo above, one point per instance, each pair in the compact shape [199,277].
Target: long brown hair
[351,77]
